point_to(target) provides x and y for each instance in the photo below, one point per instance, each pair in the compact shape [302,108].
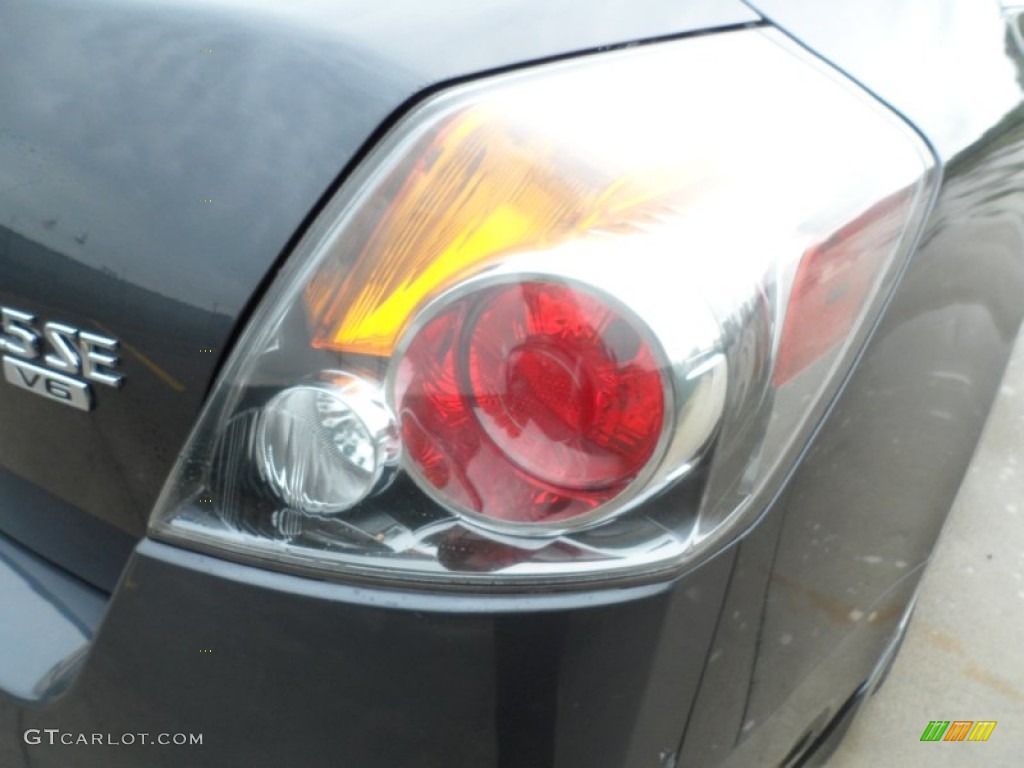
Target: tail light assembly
[566,326]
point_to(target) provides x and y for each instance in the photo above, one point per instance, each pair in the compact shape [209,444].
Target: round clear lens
[323,448]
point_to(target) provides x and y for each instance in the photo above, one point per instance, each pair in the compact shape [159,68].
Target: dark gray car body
[114,127]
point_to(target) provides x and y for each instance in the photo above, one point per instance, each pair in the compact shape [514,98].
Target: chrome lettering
[97,360]
[61,339]
[18,336]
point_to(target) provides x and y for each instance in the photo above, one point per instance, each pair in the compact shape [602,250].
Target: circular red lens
[530,402]
[564,386]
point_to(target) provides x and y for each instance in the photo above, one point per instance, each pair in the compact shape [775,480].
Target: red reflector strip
[835,282]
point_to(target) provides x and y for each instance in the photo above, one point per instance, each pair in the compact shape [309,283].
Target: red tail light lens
[566,386]
[530,402]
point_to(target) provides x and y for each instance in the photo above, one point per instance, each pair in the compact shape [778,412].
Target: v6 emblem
[43,381]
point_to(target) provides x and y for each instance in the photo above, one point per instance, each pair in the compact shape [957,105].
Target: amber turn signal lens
[480,190]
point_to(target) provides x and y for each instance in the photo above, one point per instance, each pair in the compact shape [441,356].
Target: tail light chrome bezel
[689,348]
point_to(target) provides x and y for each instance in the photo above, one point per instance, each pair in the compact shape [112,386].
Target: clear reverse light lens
[324,447]
[563,326]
